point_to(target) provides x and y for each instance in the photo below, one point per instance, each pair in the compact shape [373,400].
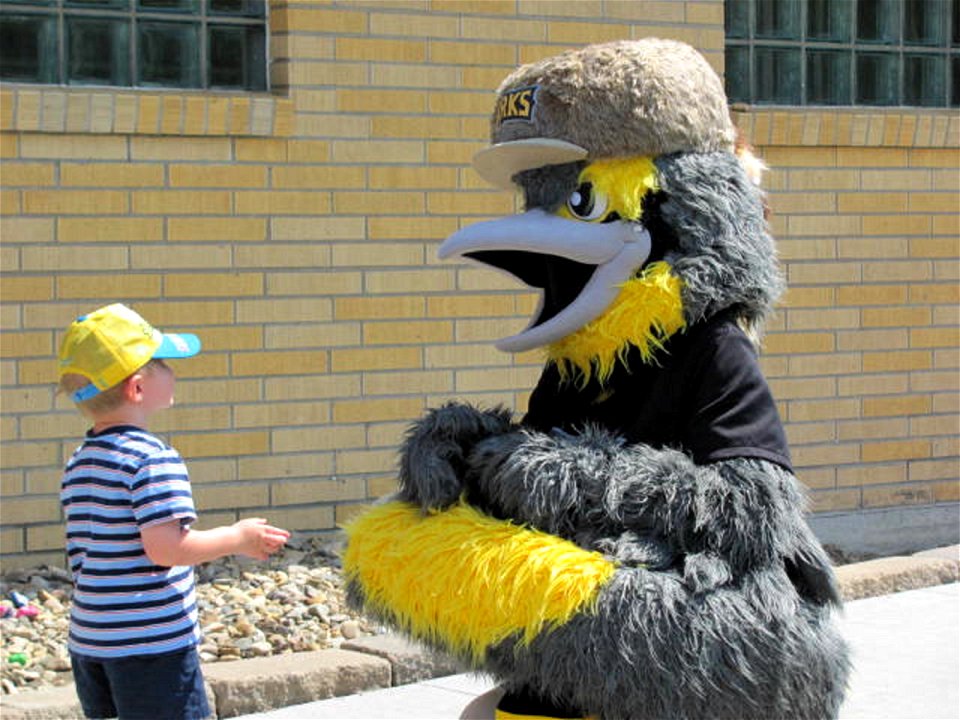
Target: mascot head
[642,214]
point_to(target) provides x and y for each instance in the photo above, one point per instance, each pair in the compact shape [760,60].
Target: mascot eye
[586,204]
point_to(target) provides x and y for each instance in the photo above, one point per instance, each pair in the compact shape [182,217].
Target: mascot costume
[635,546]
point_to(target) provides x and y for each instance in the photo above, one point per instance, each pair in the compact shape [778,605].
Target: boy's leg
[159,687]
[93,687]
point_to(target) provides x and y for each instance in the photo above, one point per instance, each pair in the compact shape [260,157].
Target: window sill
[58,109]
[854,127]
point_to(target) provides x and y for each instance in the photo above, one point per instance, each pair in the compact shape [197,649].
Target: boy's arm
[169,544]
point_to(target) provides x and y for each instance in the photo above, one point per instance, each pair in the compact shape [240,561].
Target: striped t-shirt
[118,482]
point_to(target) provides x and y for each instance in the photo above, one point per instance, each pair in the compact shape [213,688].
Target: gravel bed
[292,603]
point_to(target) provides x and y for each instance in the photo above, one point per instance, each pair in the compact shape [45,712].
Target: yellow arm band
[468,580]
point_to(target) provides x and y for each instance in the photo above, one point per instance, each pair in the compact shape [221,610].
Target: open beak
[578,267]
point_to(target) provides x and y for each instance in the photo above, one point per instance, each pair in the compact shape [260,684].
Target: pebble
[293,602]
[350,629]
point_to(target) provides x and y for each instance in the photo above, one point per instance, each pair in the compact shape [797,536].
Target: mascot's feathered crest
[635,546]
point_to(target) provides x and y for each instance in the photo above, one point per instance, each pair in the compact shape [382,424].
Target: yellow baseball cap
[110,344]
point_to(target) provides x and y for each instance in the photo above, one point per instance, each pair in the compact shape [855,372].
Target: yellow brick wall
[295,232]
[864,356]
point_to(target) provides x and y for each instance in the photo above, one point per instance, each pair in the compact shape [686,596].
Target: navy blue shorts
[168,686]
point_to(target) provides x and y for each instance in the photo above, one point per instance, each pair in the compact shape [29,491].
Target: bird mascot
[635,546]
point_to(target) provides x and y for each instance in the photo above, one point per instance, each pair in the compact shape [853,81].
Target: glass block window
[843,52]
[203,44]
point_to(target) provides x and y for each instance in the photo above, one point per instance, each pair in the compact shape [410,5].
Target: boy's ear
[133,387]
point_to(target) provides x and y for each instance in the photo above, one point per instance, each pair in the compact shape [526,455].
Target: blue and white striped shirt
[118,482]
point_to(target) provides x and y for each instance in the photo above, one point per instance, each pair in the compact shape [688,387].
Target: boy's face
[157,383]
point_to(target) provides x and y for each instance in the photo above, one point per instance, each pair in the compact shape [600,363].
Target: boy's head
[102,349]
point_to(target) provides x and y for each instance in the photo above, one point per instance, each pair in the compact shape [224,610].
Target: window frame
[60,11]
[948,53]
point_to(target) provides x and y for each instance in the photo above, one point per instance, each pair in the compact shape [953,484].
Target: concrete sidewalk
[906,654]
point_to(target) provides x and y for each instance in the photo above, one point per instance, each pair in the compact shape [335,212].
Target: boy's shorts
[168,686]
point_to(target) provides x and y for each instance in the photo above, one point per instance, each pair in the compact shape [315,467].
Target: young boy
[126,497]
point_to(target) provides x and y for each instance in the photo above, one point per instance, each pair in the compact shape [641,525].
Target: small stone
[350,629]
[59,574]
[237,595]
[40,582]
[321,612]
[258,601]
[56,663]
[261,649]
[53,605]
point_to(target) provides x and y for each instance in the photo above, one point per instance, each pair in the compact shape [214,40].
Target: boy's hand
[259,540]
[168,544]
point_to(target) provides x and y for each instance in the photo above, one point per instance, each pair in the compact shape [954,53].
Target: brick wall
[295,233]
[864,355]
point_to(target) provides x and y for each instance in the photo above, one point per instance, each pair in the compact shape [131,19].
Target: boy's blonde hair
[104,401]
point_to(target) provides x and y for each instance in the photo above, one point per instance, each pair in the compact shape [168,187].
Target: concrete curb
[259,684]
[248,686]
[894,574]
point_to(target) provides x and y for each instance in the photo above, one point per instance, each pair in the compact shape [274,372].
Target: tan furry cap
[624,98]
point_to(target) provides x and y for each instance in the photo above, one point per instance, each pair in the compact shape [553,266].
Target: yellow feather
[623,181]
[466,579]
[648,310]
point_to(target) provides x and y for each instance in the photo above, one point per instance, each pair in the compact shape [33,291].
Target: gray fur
[549,187]
[433,455]
[655,649]
[742,514]
[725,256]
[731,619]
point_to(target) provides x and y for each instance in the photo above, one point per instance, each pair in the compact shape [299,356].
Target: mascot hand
[434,452]
[554,481]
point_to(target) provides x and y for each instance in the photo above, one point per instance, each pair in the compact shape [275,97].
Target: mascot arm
[539,612]
[434,451]
[724,518]
[463,581]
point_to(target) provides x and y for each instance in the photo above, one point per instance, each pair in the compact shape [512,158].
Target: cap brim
[177,345]
[498,163]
